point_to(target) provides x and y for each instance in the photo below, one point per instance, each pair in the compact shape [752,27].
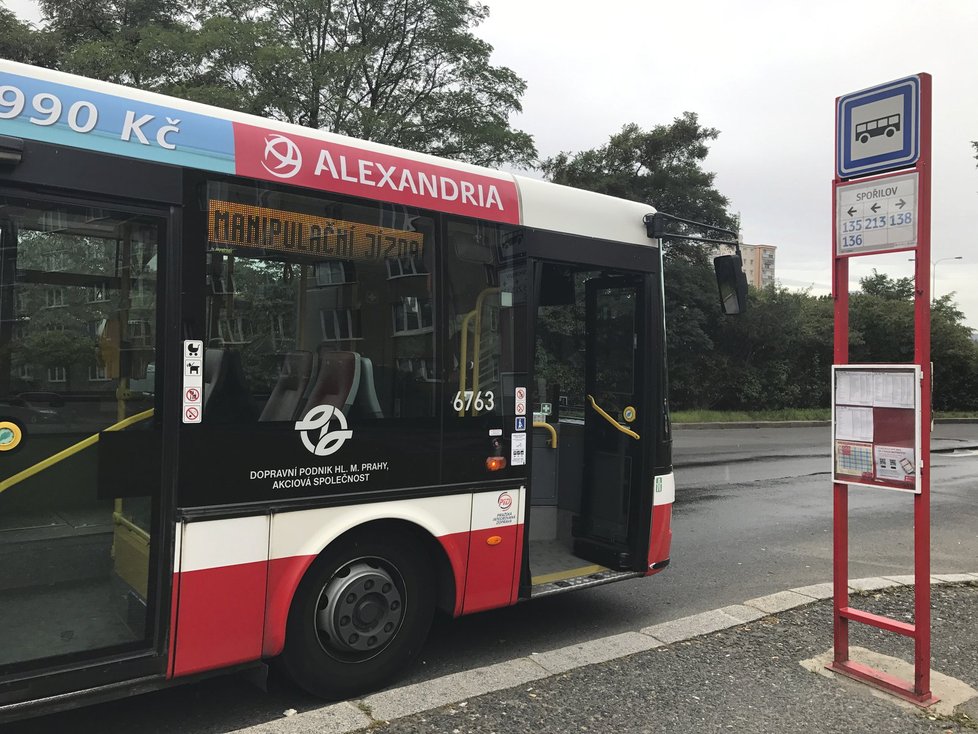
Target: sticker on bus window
[193,380]
[517,456]
[520,406]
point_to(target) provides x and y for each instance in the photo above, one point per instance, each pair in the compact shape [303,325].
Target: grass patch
[786,414]
[729,416]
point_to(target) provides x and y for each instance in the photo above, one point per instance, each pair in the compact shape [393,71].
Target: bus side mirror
[732,282]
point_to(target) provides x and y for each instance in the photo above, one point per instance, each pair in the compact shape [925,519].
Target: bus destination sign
[243,225]
[876,215]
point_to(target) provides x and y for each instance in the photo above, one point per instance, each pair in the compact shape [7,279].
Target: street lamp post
[933,273]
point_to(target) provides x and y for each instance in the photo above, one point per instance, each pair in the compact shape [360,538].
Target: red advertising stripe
[345,169]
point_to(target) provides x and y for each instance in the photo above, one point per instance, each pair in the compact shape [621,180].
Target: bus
[269,392]
[887,125]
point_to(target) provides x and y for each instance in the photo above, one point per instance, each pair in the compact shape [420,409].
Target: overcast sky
[766,74]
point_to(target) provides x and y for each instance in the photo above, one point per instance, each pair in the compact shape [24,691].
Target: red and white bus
[271,392]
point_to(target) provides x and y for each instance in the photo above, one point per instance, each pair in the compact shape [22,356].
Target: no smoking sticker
[520,401]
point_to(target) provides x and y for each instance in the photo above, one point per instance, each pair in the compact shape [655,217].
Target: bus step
[582,582]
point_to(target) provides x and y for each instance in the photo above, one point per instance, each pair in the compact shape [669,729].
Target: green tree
[409,73]
[777,355]
[20,41]
[881,329]
[663,167]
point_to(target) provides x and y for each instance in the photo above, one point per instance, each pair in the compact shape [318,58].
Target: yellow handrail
[70,451]
[612,421]
[125,522]
[477,346]
[463,356]
[475,313]
[553,432]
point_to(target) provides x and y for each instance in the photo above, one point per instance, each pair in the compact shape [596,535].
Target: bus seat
[286,396]
[367,403]
[337,380]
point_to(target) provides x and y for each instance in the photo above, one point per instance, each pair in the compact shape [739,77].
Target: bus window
[485,291]
[77,333]
[311,302]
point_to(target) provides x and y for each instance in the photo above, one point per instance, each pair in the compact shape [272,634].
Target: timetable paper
[893,390]
[853,387]
[854,424]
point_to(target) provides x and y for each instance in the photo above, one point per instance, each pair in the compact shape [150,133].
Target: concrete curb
[357,715]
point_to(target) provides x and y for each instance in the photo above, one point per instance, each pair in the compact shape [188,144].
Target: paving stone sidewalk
[737,669]
[741,679]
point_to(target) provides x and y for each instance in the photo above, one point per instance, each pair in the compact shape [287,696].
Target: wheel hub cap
[360,609]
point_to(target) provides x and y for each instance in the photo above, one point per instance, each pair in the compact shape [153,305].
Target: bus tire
[360,614]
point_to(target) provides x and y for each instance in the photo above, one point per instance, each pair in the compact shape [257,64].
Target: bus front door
[80,445]
[615,411]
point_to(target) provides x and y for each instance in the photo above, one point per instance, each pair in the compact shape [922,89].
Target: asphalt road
[753,516]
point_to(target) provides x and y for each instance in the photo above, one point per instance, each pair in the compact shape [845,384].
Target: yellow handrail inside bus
[70,451]
[476,314]
[477,346]
[125,522]
[612,421]
[553,432]
[462,357]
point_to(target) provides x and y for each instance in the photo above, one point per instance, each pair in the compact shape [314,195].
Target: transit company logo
[319,419]
[505,501]
[284,154]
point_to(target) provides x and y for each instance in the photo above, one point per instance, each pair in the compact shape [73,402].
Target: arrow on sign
[900,204]
[875,208]
[852,210]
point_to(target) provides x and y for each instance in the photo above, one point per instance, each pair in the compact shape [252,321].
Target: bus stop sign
[878,128]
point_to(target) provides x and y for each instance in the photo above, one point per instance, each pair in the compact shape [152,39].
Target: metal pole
[921,507]
[840,490]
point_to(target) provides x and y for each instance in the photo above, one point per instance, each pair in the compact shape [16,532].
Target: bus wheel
[360,615]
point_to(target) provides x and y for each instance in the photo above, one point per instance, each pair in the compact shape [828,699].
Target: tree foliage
[663,167]
[881,325]
[409,73]
[778,354]
[20,41]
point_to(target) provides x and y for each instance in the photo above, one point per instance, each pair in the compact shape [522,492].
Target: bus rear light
[495,463]
[494,540]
